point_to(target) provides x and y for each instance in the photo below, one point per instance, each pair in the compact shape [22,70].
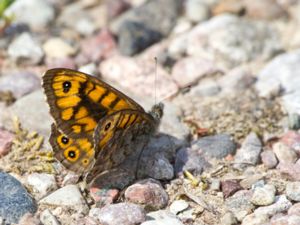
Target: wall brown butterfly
[96,126]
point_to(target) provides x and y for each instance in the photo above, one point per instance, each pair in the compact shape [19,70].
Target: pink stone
[229,187]
[295,209]
[6,139]
[292,170]
[104,196]
[292,139]
[269,159]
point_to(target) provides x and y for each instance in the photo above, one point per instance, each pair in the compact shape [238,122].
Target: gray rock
[159,16]
[15,201]
[37,14]
[69,197]
[293,191]
[32,116]
[264,195]
[162,217]
[20,83]
[255,219]
[217,146]
[196,10]
[249,153]
[239,204]
[233,40]
[25,49]
[284,153]
[269,159]
[121,213]
[188,159]
[178,206]
[47,218]
[41,183]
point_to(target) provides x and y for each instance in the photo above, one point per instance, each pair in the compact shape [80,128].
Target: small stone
[255,219]
[148,193]
[104,196]
[252,180]
[229,187]
[218,146]
[58,48]
[281,204]
[292,139]
[190,69]
[206,88]
[178,206]
[294,121]
[6,139]
[66,62]
[89,69]
[263,195]
[292,170]
[284,153]
[41,183]
[37,14]
[228,219]
[68,196]
[249,153]
[115,8]
[293,191]
[15,201]
[239,204]
[269,159]
[162,217]
[188,159]
[286,219]
[295,209]
[24,49]
[47,218]
[29,218]
[20,83]
[196,10]
[70,178]
[121,213]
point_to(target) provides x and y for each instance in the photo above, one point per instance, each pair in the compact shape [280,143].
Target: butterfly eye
[65,140]
[66,86]
[72,154]
[107,126]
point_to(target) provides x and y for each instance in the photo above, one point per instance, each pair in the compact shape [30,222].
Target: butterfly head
[157,111]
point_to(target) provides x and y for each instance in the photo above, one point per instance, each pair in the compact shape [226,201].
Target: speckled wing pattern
[94,122]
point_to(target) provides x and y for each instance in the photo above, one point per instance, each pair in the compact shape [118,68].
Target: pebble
[58,48]
[148,193]
[97,47]
[293,191]
[283,68]
[121,213]
[284,153]
[6,139]
[292,139]
[291,170]
[178,206]
[239,204]
[228,219]
[20,83]
[206,88]
[89,69]
[188,70]
[286,219]
[166,14]
[29,218]
[217,146]
[263,195]
[15,201]
[255,219]
[47,218]
[294,209]
[134,37]
[36,117]
[228,37]
[41,183]
[68,196]
[162,217]
[257,9]
[294,121]
[25,49]
[104,196]
[269,159]
[281,204]
[66,62]
[115,8]
[249,152]
[215,185]
[229,187]
[188,159]
[37,14]
[196,10]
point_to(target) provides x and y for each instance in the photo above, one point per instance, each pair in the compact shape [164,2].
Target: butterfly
[96,126]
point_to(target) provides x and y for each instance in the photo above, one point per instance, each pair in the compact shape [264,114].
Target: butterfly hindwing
[77,155]
[78,101]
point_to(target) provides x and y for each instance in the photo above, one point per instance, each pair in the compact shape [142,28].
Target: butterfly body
[96,126]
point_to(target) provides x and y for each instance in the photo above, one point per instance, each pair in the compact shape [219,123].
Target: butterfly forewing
[78,101]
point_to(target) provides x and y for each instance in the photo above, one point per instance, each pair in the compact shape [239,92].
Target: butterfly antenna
[155,80]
